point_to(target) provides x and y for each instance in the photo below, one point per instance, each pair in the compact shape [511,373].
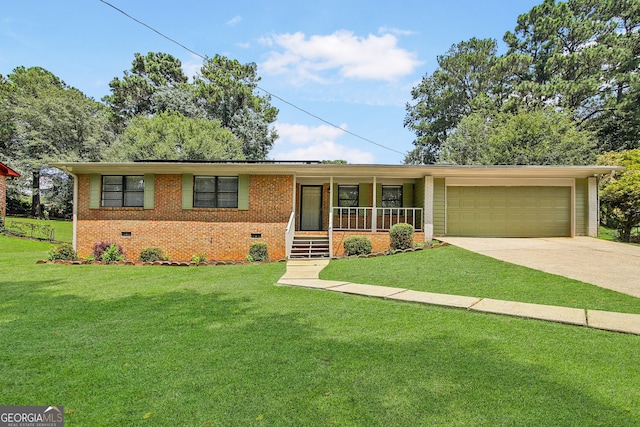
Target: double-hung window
[215,192]
[348,196]
[392,196]
[122,191]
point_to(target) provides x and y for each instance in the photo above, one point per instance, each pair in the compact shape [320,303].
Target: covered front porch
[339,207]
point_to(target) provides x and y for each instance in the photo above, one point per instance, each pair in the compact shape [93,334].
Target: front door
[311,207]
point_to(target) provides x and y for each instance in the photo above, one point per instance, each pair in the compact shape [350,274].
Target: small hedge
[258,252]
[63,252]
[357,245]
[152,254]
[401,236]
[107,252]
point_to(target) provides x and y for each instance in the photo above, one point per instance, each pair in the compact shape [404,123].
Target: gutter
[74,210]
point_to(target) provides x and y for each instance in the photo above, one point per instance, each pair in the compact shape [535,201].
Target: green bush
[101,247]
[112,254]
[401,236]
[357,245]
[64,252]
[258,252]
[151,255]
[197,259]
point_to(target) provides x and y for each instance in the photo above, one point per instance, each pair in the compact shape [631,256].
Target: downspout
[74,208]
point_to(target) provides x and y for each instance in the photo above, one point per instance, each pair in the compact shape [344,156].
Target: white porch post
[592,186]
[428,208]
[374,210]
[331,215]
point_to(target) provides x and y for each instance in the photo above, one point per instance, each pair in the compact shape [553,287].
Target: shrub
[151,255]
[357,245]
[100,248]
[401,236]
[197,259]
[112,254]
[258,252]
[107,252]
[64,252]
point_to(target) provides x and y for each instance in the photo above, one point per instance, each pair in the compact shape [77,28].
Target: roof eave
[336,170]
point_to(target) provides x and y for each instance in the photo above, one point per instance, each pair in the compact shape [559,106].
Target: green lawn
[224,346]
[63,229]
[452,270]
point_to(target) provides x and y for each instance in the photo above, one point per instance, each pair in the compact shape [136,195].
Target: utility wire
[257,87]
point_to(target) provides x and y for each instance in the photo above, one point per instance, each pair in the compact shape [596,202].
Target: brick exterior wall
[380,240]
[3,198]
[223,234]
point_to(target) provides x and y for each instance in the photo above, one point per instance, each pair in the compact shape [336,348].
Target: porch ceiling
[337,171]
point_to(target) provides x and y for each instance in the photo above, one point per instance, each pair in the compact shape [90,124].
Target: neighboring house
[5,171]
[308,208]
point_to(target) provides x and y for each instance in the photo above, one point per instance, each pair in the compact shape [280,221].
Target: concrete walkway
[305,274]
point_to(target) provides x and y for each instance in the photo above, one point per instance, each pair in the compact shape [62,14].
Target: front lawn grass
[456,271]
[224,346]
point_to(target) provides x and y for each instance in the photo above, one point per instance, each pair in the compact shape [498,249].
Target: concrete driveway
[606,264]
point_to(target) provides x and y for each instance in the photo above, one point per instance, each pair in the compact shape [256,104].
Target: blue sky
[352,63]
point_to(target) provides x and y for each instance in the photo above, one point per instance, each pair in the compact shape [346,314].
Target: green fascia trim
[243,192]
[95,184]
[149,191]
[187,191]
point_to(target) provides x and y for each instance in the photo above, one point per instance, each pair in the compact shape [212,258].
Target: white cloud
[301,134]
[370,58]
[396,31]
[192,66]
[234,21]
[327,150]
[300,142]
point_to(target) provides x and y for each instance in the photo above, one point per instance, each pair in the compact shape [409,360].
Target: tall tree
[133,94]
[466,71]
[543,137]
[172,136]
[50,121]
[227,89]
[583,56]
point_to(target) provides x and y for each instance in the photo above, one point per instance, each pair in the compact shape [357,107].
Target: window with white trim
[122,191]
[215,192]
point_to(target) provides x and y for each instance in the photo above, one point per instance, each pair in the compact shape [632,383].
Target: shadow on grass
[182,357]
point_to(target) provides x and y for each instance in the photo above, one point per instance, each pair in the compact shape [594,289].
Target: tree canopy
[620,193]
[172,136]
[224,90]
[44,120]
[543,137]
[581,57]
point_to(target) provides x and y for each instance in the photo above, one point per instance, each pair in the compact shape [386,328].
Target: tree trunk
[36,209]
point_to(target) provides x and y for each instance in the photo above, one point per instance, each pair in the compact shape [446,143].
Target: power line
[257,87]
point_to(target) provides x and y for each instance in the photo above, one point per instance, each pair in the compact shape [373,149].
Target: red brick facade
[222,234]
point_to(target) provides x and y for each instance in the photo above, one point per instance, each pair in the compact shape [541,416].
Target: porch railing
[362,218]
[290,232]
